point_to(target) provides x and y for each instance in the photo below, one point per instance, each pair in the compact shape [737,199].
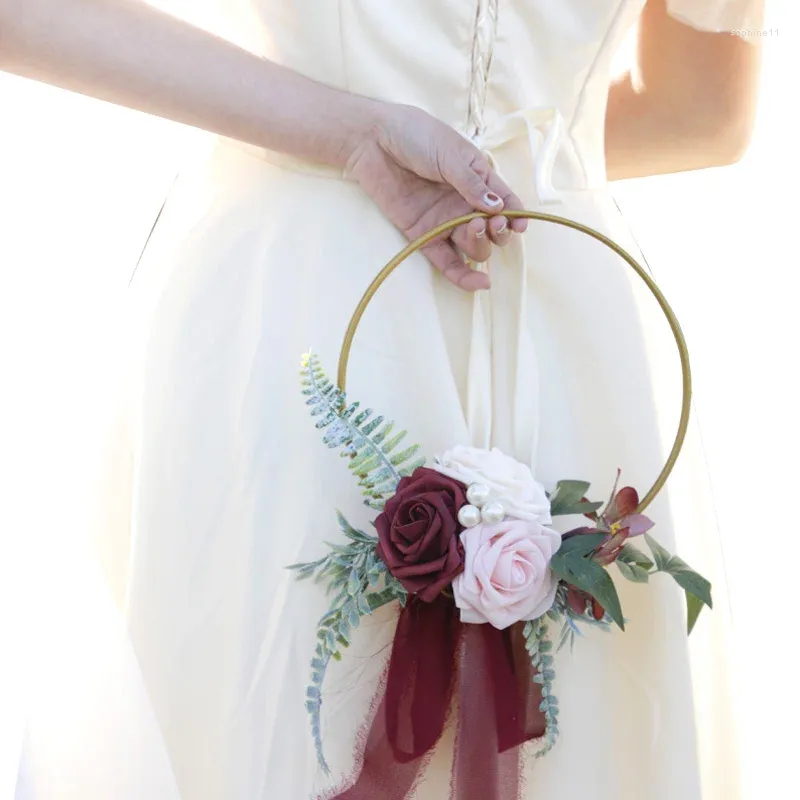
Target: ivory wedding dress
[223,480]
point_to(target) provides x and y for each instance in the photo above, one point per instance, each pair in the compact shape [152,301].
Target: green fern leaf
[371,426]
[410,468]
[381,435]
[405,455]
[394,441]
[363,468]
[368,442]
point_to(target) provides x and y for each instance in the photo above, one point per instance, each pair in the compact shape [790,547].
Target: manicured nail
[503,227]
[491,199]
[480,234]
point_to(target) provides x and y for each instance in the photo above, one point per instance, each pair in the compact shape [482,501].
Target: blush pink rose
[507,576]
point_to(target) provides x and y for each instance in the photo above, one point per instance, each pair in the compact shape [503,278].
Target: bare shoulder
[710,78]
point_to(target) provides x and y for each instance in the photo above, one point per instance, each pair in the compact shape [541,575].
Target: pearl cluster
[481,507]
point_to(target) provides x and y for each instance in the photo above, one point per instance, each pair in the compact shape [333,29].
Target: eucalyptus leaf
[567,493]
[694,584]
[583,573]
[581,543]
[694,605]
[575,508]
[632,555]
[605,592]
[633,572]
[660,555]
[689,580]
[571,490]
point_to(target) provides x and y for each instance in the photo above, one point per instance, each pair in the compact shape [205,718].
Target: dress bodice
[470,63]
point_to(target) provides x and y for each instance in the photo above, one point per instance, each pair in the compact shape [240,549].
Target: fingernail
[503,227]
[491,199]
[480,234]
[520,225]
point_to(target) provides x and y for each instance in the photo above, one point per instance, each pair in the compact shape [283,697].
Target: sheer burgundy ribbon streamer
[434,655]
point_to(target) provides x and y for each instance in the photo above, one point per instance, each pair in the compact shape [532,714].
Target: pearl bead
[469,516]
[493,512]
[478,494]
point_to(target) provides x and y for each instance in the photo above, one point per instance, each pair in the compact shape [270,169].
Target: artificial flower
[418,532]
[506,577]
[510,482]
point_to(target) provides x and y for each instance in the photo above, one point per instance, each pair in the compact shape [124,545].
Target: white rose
[510,482]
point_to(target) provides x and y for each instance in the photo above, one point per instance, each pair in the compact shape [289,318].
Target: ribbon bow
[436,662]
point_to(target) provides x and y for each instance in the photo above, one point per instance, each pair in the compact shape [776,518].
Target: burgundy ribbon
[497,700]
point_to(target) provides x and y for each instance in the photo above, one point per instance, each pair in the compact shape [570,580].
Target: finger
[444,257]
[511,201]
[499,231]
[468,176]
[473,241]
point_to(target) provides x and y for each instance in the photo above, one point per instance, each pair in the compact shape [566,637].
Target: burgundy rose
[418,533]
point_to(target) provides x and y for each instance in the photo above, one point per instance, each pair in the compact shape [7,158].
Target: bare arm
[418,170]
[133,55]
[689,105]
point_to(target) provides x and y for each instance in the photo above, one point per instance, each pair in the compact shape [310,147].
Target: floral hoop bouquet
[464,546]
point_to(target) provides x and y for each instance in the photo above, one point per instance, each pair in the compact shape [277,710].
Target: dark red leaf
[592,515]
[608,553]
[579,601]
[576,599]
[578,532]
[626,501]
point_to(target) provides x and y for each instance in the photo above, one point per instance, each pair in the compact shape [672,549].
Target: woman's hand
[421,173]
[418,170]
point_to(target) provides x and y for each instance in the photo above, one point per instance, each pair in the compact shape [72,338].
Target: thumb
[468,182]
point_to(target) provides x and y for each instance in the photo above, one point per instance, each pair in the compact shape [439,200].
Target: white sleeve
[734,16]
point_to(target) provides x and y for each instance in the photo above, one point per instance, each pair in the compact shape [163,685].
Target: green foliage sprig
[370,444]
[359,583]
[539,649]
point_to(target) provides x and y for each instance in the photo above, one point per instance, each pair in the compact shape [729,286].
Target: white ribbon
[545,130]
[502,355]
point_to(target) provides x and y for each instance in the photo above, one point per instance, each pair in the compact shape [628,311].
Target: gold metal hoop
[675,327]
